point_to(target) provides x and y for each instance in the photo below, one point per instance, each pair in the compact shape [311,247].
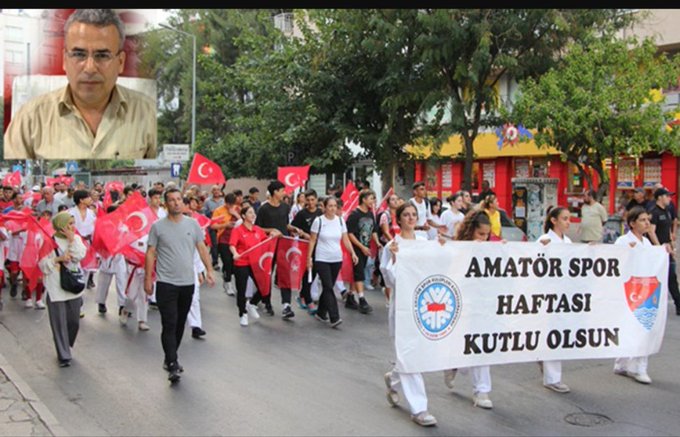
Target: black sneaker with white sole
[351,303]
[364,307]
[287,312]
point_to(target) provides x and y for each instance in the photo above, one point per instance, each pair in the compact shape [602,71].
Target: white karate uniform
[108,269]
[552,370]
[136,301]
[637,365]
[194,316]
[412,385]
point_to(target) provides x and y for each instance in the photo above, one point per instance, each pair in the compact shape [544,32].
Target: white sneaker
[28,303]
[449,377]
[642,378]
[252,311]
[482,400]
[392,395]
[424,419]
[123,317]
[244,320]
[558,387]
[143,326]
[39,305]
[229,288]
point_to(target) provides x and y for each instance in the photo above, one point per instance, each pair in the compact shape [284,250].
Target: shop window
[539,168]
[575,183]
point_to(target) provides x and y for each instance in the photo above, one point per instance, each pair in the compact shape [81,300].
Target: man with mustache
[92,117]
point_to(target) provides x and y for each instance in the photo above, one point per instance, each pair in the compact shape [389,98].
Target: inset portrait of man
[93,117]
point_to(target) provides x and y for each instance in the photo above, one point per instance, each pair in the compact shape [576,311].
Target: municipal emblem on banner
[643,295]
[436,306]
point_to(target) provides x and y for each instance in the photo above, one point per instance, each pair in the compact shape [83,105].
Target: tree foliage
[597,104]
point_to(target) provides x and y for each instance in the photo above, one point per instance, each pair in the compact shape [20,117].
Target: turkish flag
[293,177]
[90,261]
[291,258]
[66,180]
[350,199]
[108,187]
[261,258]
[205,172]
[39,244]
[12,179]
[347,269]
[134,256]
[203,222]
[130,221]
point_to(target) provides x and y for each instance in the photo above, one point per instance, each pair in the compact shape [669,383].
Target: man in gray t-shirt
[172,242]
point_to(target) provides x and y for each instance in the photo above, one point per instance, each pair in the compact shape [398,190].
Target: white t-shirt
[628,238]
[84,227]
[328,247]
[451,219]
[553,237]
[434,232]
[424,214]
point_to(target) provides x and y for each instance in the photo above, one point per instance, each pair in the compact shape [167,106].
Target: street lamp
[193,82]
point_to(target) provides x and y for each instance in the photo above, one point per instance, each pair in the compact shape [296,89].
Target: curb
[44,414]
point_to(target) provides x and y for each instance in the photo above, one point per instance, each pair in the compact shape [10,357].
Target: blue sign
[175,169]
[17,167]
[71,167]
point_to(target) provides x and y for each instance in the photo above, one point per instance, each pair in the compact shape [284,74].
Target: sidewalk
[21,412]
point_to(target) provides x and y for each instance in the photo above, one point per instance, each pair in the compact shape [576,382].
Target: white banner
[472,303]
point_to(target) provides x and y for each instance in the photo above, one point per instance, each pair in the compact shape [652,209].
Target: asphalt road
[300,377]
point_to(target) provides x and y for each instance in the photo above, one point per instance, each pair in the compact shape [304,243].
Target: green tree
[597,104]
[469,51]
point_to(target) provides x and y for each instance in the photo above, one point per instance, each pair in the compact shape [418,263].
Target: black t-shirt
[362,225]
[662,219]
[303,219]
[646,204]
[273,217]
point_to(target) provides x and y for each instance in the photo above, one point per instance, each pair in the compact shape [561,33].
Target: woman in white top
[299,205]
[638,221]
[452,216]
[475,227]
[412,384]
[556,226]
[63,306]
[327,231]
[437,223]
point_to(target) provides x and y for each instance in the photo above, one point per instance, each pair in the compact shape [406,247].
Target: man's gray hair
[99,18]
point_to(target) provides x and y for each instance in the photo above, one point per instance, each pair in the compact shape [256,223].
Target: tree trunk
[469,159]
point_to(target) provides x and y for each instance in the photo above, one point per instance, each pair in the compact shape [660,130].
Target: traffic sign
[175,169]
[176,152]
[71,167]
[17,167]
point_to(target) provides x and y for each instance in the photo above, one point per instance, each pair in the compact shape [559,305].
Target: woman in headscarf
[63,306]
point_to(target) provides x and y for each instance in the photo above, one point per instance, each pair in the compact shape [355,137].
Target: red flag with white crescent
[205,172]
[293,177]
[129,222]
[39,244]
[291,259]
[261,259]
[12,179]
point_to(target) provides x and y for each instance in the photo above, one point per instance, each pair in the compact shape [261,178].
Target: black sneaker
[179,367]
[13,291]
[102,308]
[269,310]
[90,282]
[351,303]
[287,312]
[197,332]
[364,307]
[173,372]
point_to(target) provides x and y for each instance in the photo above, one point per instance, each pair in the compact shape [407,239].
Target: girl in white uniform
[411,384]
[555,228]
[475,227]
[136,300]
[194,316]
[638,220]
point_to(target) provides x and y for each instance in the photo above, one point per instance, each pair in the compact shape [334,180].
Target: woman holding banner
[327,231]
[555,228]
[412,384]
[243,238]
[475,227]
[638,221]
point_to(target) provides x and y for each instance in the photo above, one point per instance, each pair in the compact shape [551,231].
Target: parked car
[509,230]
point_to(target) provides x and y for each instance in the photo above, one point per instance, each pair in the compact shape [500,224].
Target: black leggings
[328,273]
[241,275]
[227,261]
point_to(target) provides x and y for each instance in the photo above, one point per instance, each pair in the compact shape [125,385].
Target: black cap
[661,192]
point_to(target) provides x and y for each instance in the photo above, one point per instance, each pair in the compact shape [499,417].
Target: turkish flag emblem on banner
[132,220]
[261,258]
[205,172]
[293,177]
[12,179]
[291,258]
